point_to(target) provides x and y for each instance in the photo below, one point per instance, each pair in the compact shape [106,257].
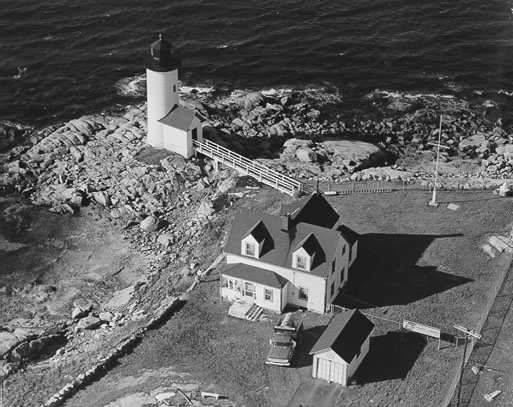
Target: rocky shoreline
[166,205]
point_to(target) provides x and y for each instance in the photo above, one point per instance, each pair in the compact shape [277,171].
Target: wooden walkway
[246,166]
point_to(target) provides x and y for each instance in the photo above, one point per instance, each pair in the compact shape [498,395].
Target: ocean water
[64,58]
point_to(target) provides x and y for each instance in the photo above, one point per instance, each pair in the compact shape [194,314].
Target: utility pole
[468,333]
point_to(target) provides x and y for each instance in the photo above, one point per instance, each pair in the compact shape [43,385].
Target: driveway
[314,392]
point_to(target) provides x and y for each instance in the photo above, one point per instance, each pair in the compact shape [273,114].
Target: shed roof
[179,117]
[345,335]
[284,243]
[254,274]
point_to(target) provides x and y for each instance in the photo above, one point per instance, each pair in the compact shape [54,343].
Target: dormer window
[307,250]
[250,249]
[252,243]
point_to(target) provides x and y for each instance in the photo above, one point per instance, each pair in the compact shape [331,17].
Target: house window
[349,254]
[249,289]
[332,289]
[224,281]
[230,284]
[194,133]
[268,294]
[174,88]
[301,262]
[250,249]
[343,249]
[333,265]
[303,293]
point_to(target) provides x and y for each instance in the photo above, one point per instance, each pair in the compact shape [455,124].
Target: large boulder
[360,153]
[249,100]
[89,322]
[150,224]
[306,155]
[474,141]
[7,341]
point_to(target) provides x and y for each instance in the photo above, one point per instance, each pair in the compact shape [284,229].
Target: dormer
[304,255]
[252,243]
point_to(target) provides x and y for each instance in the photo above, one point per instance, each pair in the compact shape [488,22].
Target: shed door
[323,369]
[331,371]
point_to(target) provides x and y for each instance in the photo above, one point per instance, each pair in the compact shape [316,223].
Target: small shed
[181,126]
[342,347]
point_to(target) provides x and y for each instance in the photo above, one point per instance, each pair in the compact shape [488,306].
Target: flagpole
[433,200]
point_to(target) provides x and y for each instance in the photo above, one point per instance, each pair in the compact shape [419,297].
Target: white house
[301,257]
[342,347]
[170,125]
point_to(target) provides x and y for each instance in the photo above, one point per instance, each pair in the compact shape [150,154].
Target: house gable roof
[284,242]
[179,117]
[345,335]
[313,209]
[254,274]
[349,234]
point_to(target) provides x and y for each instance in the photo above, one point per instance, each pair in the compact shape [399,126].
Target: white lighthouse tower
[170,125]
[162,63]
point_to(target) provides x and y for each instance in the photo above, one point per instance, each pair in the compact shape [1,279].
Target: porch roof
[254,274]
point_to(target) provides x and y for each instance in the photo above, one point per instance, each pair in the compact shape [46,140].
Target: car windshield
[283,344]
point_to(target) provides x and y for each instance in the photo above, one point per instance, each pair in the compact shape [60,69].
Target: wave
[385,94]
[505,92]
[202,90]
[134,86]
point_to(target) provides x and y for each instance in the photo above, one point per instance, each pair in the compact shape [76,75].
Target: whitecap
[21,72]
[505,92]
[133,86]
[196,89]
[223,46]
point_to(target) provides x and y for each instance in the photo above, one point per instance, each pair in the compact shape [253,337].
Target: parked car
[287,335]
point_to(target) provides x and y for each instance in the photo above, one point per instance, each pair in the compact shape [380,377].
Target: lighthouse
[170,125]
[162,63]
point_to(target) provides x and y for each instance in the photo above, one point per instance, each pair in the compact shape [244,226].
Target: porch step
[254,312]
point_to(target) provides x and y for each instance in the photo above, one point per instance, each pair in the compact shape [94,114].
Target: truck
[287,335]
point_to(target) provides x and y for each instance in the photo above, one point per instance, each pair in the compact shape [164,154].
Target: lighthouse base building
[170,125]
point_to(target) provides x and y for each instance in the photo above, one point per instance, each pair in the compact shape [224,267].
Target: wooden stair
[254,313]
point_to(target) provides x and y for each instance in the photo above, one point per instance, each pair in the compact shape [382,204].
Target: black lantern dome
[162,57]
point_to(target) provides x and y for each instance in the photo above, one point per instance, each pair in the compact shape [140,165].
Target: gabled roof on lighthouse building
[180,117]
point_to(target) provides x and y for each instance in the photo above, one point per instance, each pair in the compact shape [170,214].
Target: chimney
[285,222]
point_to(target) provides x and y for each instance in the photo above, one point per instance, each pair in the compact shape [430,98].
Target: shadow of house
[309,337]
[390,357]
[386,272]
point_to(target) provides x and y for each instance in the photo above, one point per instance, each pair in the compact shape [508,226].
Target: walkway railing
[246,166]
